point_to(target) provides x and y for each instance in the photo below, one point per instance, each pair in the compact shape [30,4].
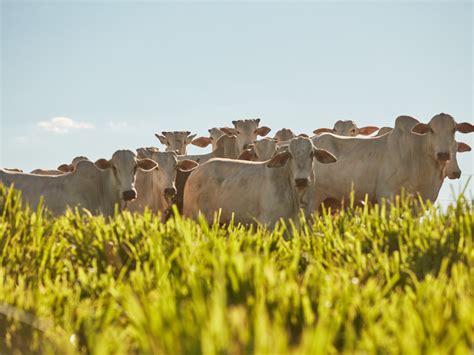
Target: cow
[62,169]
[97,187]
[156,188]
[451,171]
[247,131]
[226,148]
[347,128]
[412,157]
[255,192]
[261,150]
[176,141]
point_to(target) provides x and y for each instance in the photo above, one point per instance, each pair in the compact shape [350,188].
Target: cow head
[214,135]
[176,141]
[300,154]
[166,174]
[347,128]
[452,169]
[67,168]
[123,166]
[260,150]
[440,133]
[284,134]
[247,131]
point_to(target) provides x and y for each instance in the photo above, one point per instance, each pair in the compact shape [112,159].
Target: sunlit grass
[362,281]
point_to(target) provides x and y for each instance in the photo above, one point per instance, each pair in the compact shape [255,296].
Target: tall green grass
[362,281]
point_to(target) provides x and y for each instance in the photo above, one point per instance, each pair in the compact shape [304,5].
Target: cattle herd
[256,181]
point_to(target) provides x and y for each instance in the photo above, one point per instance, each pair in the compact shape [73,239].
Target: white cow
[254,192]
[176,141]
[411,157]
[97,187]
[347,128]
[156,188]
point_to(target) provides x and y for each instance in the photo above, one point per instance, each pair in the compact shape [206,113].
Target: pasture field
[360,282]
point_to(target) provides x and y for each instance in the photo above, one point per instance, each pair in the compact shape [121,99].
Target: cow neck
[285,175]
[108,198]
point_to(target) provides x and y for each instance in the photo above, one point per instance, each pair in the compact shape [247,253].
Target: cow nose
[302,182]
[129,195]
[456,175]
[444,156]
[170,192]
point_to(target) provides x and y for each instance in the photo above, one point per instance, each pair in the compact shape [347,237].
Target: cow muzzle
[443,156]
[129,195]
[170,192]
[302,182]
[455,175]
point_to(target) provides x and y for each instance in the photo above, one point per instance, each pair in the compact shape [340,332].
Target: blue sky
[123,71]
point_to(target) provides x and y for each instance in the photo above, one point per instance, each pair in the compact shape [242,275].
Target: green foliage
[365,281]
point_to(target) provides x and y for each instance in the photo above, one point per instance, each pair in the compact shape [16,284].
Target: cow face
[452,170]
[348,129]
[214,135]
[247,132]
[284,134]
[299,155]
[265,149]
[176,141]
[440,134]
[124,165]
[169,164]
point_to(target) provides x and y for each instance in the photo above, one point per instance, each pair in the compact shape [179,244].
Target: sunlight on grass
[360,281]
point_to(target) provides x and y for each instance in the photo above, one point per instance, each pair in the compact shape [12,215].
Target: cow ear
[463,147]
[383,130]
[147,164]
[162,139]
[234,123]
[65,168]
[201,142]
[323,130]
[464,127]
[228,131]
[263,131]
[190,138]
[257,120]
[323,156]
[187,165]
[279,159]
[367,130]
[421,128]
[304,135]
[248,154]
[103,164]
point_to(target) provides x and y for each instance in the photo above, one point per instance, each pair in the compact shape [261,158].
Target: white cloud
[63,125]
[118,125]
